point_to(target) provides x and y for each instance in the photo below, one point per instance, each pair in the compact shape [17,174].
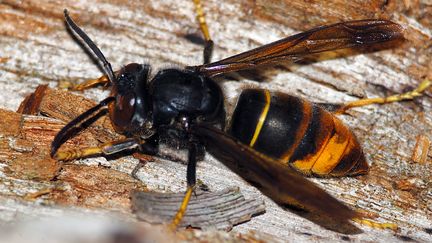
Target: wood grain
[36,49]
[210,210]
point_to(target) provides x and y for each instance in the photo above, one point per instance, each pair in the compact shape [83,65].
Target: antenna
[106,65]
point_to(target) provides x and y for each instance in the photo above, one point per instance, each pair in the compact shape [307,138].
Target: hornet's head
[131,113]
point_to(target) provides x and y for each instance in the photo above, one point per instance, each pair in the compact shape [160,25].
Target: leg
[59,139]
[142,161]
[147,151]
[394,98]
[376,225]
[191,180]
[88,84]
[366,219]
[106,149]
[208,48]
[103,80]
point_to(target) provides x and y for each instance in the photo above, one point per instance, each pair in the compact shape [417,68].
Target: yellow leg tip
[417,92]
[182,210]
[62,156]
[376,225]
[76,154]
[173,226]
[91,83]
[424,85]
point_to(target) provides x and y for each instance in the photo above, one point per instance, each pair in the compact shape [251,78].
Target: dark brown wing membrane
[272,178]
[325,38]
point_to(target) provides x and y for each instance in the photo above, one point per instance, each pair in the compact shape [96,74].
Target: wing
[277,181]
[325,38]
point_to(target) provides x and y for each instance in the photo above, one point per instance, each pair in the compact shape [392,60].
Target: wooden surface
[36,49]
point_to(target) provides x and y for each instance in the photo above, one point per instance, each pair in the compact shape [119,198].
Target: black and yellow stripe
[297,132]
[261,119]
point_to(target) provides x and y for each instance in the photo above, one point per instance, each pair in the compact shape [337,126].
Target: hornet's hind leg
[417,92]
[366,219]
[376,225]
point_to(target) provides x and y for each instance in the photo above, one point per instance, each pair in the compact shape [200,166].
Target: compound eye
[123,110]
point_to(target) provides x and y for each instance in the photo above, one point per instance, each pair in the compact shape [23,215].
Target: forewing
[277,181]
[325,38]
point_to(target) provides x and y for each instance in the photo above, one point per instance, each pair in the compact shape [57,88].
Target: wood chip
[65,106]
[421,149]
[31,103]
[206,210]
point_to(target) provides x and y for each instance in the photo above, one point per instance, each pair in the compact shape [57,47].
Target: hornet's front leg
[103,149]
[146,147]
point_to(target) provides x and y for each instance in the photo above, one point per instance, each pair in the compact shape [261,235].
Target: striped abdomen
[298,133]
